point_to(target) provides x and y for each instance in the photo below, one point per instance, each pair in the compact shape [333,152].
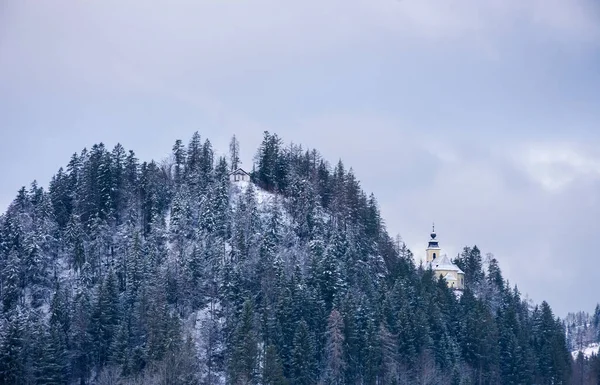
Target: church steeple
[433,249]
[441,265]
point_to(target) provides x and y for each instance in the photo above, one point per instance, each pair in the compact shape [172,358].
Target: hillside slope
[169,273]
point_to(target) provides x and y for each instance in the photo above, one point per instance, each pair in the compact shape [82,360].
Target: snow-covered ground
[262,196]
[264,199]
[588,351]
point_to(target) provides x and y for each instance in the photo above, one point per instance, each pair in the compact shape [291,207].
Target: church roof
[238,171]
[450,277]
[443,263]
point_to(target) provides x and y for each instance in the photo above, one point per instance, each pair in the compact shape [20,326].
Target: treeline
[582,328]
[138,273]
[583,332]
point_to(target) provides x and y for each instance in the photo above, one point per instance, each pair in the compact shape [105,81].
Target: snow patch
[262,196]
[588,351]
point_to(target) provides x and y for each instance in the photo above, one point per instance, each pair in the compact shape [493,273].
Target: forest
[124,271]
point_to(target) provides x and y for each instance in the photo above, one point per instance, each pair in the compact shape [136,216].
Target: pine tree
[596,321]
[478,338]
[220,200]
[244,349]
[470,262]
[117,192]
[206,165]
[194,150]
[11,282]
[54,364]
[12,349]
[61,197]
[81,338]
[334,373]
[302,365]
[105,319]
[553,362]
[179,159]
[272,173]
[273,370]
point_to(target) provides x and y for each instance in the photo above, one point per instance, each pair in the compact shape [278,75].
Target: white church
[442,266]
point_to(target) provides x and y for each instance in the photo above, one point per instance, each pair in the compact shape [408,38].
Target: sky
[480,116]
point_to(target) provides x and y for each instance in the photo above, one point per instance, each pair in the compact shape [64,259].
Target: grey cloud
[93,41]
[448,111]
[484,195]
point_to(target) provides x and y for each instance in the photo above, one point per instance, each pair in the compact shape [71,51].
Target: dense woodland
[583,331]
[582,328]
[130,272]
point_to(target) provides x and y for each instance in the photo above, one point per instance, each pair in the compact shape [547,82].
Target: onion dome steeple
[433,243]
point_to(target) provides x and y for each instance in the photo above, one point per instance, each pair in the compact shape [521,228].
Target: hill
[170,273]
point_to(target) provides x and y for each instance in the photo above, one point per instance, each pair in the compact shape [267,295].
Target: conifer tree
[179,159]
[273,370]
[13,349]
[553,363]
[334,373]
[244,350]
[302,365]
[105,319]
[117,192]
[596,321]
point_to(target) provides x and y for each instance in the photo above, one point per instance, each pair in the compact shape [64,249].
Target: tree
[596,321]
[273,369]
[553,361]
[389,355]
[12,282]
[234,154]
[272,170]
[13,349]
[118,193]
[193,158]
[211,349]
[179,156]
[478,338]
[61,197]
[302,356]
[244,349]
[80,338]
[53,365]
[334,373]
[471,263]
[105,319]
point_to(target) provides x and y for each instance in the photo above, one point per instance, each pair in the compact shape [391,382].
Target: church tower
[442,266]
[433,249]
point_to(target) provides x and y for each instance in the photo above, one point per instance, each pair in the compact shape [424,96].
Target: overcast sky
[480,115]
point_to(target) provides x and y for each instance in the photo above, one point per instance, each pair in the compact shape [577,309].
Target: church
[442,266]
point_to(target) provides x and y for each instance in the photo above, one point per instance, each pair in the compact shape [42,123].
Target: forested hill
[130,272]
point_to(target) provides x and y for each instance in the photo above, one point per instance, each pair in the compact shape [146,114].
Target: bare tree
[110,375]
[428,372]
[234,153]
